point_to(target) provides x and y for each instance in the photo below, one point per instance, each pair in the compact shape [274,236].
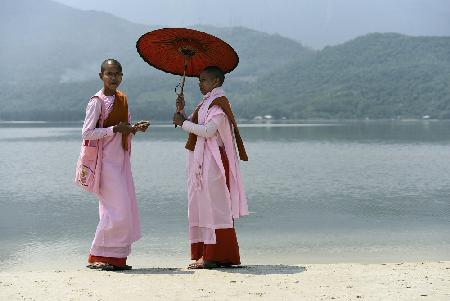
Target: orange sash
[224,104]
[119,113]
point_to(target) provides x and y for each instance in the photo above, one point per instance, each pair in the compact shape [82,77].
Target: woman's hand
[178,119]
[141,126]
[123,127]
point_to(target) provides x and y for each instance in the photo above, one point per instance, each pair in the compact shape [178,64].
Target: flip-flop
[96,265]
[230,266]
[108,267]
[202,265]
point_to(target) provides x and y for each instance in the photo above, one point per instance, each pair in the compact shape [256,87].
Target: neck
[210,92]
[109,92]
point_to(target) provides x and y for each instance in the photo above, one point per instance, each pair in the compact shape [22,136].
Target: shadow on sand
[158,271]
[280,269]
[247,269]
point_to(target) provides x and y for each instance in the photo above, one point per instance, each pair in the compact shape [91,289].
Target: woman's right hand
[123,128]
[180,102]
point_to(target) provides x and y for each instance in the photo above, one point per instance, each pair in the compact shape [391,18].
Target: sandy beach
[391,281]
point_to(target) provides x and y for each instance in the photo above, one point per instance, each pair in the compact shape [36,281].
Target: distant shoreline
[249,121]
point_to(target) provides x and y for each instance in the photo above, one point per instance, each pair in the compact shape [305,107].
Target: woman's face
[111,77]
[207,82]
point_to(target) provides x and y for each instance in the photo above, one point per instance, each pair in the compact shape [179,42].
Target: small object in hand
[141,125]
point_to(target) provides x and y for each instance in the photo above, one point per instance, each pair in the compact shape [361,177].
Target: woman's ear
[100,75]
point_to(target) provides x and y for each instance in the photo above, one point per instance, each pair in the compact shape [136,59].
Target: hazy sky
[313,22]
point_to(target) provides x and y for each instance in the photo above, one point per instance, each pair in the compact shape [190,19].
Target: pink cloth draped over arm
[206,131]
[90,131]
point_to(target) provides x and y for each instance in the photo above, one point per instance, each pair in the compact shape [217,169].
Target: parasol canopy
[185,52]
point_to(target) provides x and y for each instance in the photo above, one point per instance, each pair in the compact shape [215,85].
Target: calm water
[336,192]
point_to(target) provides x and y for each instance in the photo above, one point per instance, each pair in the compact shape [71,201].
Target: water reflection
[361,188]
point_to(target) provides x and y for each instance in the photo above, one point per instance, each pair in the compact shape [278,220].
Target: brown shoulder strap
[119,113]
[224,104]
[192,138]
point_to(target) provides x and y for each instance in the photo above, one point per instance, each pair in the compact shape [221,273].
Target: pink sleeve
[208,130]
[90,132]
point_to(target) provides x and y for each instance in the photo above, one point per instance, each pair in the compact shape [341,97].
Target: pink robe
[119,224]
[210,204]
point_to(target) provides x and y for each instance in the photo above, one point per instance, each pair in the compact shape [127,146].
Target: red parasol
[185,52]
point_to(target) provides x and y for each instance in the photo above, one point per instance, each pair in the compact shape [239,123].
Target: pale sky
[314,22]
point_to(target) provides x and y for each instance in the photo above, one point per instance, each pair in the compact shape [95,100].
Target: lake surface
[373,191]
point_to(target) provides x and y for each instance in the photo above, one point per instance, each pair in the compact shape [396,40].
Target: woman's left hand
[142,125]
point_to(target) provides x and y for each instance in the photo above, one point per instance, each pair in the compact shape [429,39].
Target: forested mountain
[374,76]
[50,56]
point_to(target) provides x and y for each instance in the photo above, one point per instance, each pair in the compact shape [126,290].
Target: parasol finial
[187,51]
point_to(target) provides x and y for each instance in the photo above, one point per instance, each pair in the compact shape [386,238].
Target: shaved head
[110,62]
[215,72]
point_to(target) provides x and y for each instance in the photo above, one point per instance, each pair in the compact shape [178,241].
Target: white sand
[403,281]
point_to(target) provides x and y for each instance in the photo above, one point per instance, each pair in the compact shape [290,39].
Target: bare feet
[107,267]
[202,264]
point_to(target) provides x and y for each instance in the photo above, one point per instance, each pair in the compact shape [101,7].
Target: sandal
[96,265]
[108,267]
[202,265]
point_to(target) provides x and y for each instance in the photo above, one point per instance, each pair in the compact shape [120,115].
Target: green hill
[50,60]
[374,76]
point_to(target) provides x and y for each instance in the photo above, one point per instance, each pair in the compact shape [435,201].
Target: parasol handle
[183,80]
